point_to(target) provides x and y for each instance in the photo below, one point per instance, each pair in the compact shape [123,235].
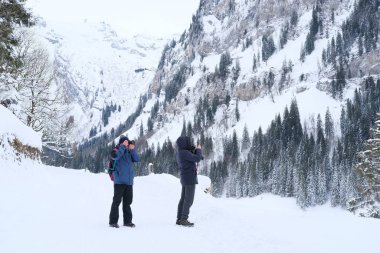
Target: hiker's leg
[180,204]
[117,195]
[188,201]
[127,201]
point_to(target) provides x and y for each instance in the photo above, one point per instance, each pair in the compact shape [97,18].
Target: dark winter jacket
[124,159]
[187,160]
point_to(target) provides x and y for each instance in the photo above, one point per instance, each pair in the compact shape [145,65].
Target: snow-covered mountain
[235,73]
[99,69]
[238,27]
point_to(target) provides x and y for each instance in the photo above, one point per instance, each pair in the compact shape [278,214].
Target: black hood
[184,142]
[122,139]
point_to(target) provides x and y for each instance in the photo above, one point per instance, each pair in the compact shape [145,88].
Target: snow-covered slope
[97,69]
[237,27]
[49,209]
[12,129]
[12,126]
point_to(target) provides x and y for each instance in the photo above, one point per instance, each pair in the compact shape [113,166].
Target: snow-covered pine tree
[246,140]
[367,203]
[141,133]
[13,14]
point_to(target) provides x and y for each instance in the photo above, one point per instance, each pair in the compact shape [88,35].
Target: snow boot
[186,223]
[129,224]
[114,225]
[178,222]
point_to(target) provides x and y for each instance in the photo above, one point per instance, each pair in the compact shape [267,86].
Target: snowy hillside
[59,210]
[99,69]
[12,129]
[228,26]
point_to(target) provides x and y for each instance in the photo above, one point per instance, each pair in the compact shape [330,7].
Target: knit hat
[122,139]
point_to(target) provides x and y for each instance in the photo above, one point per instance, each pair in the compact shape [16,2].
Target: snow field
[49,209]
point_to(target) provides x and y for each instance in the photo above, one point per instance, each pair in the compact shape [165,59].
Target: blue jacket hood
[183,143]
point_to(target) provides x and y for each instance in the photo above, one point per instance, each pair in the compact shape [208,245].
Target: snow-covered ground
[11,127]
[48,209]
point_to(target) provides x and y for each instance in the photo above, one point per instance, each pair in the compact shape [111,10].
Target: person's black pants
[186,201]
[122,192]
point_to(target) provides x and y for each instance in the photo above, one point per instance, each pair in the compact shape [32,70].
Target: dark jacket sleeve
[119,153]
[188,156]
[135,156]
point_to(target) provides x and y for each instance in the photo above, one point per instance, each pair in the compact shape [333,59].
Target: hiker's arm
[119,153]
[135,156]
[187,155]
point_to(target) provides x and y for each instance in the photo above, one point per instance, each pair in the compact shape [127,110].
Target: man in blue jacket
[124,173]
[187,156]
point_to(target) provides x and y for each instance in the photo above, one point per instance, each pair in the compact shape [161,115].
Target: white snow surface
[11,127]
[50,209]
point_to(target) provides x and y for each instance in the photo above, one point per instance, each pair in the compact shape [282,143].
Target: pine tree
[236,70]
[141,129]
[268,47]
[150,124]
[237,112]
[189,129]
[324,56]
[294,18]
[333,51]
[234,149]
[360,45]
[184,132]
[215,103]
[254,66]
[284,35]
[329,129]
[224,63]
[368,174]
[336,179]
[246,140]
[311,36]
[302,171]
[339,45]
[228,99]
[12,14]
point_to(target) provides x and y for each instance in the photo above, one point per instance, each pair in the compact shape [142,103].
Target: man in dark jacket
[124,173]
[187,156]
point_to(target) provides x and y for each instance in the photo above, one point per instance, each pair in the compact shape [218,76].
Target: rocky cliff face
[99,69]
[245,51]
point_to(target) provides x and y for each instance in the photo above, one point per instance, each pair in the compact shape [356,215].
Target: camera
[192,149]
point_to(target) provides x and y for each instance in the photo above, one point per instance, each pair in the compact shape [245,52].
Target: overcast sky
[127,17]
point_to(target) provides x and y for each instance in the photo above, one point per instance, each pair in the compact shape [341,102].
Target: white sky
[128,17]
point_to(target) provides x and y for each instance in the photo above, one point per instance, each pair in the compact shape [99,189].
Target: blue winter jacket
[186,161]
[124,159]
